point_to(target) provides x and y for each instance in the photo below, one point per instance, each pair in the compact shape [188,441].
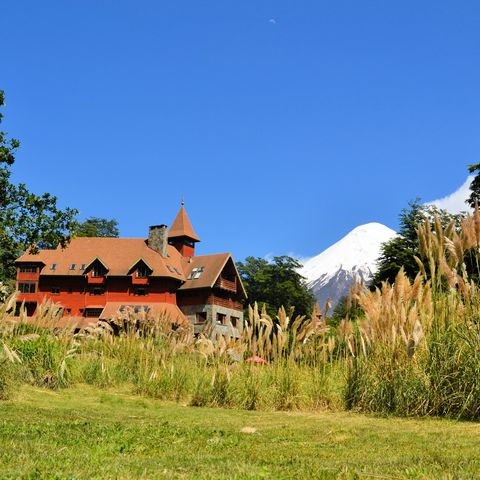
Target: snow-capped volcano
[331,273]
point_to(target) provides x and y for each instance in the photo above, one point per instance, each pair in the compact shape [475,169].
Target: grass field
[85,432]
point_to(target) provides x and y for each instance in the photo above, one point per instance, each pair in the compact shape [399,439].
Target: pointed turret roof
[182,227]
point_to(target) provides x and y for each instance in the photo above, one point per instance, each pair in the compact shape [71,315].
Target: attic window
[141,271]
[170,268]
[53,266]
[72,266]
[176,269]
[98,271]
[196,273]
[83,266]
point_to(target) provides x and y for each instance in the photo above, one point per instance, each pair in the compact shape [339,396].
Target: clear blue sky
[284,123]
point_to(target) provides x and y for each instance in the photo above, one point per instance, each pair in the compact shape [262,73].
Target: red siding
[76,293]
[185,250]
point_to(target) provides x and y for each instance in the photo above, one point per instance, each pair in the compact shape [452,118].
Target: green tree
[474,186]
[97,227]
[26,220]
[400,251]
[346,308]
[276,283]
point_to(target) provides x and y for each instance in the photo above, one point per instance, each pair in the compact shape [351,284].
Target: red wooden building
[96,278]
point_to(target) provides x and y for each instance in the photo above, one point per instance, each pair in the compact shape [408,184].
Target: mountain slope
[331,273]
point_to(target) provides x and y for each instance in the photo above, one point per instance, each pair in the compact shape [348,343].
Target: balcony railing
[225,284]
[224,302]
[28,276]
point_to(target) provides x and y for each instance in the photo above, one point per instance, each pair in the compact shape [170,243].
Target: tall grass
[417,351]
[151,358]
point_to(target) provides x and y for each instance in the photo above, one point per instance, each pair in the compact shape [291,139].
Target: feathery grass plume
[423,356]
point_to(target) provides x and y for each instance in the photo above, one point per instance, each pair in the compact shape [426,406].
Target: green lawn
[84,432]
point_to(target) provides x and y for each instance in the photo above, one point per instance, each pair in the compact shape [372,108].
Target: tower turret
[181,234]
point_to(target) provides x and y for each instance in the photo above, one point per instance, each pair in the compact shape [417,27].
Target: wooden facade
[91,275]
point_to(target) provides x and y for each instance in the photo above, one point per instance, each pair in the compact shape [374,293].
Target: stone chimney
[158,239]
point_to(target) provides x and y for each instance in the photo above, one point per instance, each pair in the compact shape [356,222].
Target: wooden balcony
[224,302]
[27,276]
[225,284]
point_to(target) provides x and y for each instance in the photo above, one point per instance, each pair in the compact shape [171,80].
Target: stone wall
[211,312]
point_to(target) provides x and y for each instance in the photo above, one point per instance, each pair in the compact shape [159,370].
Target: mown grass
[86,432]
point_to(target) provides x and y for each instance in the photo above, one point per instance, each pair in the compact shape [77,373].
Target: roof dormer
[96,271]
[140,271]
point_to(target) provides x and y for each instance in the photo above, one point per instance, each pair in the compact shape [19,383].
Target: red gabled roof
[117,254]
[182,227]
[213,266]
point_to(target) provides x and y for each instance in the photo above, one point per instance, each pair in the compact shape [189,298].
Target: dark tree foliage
[26,219]
[474,186]
[97,227]
[400,251]
[275,284]
[346,308]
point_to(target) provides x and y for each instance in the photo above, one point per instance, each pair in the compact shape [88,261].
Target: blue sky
[285,124]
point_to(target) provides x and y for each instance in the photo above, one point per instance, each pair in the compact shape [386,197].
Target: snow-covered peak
[358,251]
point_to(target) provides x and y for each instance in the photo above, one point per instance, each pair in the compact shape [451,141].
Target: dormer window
[83,266]
[72,266]
[196,273]
[142,271]
[98,271]
[53,266]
